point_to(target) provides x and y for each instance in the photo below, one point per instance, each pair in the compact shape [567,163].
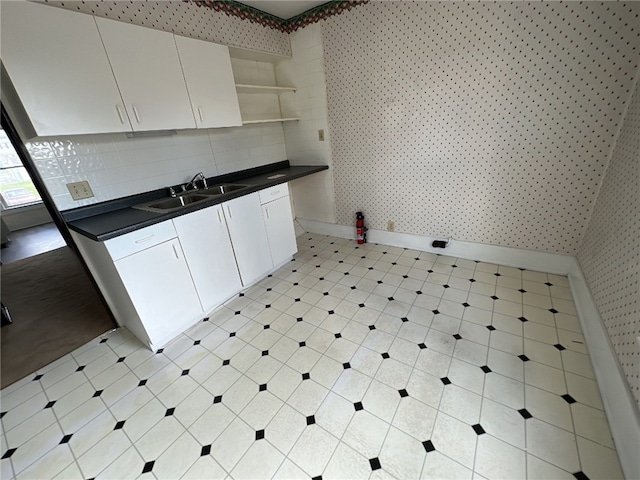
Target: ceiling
[284,9]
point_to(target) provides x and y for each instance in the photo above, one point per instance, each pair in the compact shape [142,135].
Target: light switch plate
[80,190]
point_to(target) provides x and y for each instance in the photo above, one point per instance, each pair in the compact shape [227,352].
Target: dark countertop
[113,218]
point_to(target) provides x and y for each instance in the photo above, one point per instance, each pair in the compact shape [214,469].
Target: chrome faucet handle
[172,192]
[204,182]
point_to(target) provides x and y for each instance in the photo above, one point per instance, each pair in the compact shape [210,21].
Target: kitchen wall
[117,166]
[610,253]
[313,196]
[486,122]
[186,19]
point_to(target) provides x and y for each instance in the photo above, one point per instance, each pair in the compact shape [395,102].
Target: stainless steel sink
[173,204]
[222,189]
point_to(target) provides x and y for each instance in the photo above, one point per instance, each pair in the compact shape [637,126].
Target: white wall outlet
[391,225]
[80,190]
[321,135]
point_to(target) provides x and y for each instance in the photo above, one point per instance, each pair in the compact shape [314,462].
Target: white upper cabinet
[207,72]
[60,71]
[147,69]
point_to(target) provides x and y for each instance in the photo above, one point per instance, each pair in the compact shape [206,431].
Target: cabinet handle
[120,114]
[219,217]
[200,114]
[145,239]
[266,210]
[135,112]
[229,208]
[275,193]
[175,251]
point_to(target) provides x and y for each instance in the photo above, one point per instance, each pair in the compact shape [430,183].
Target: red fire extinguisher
[361,230]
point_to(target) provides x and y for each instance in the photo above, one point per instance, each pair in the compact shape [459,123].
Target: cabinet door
[280,232]
[146,66]
[212,90]
[205,241]
[60,71]
[159,284]
[249,237]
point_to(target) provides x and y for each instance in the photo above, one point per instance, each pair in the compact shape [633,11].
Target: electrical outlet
[391,225]
[321,135]
[80,190]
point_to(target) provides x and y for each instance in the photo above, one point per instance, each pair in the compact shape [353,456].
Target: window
[16,187]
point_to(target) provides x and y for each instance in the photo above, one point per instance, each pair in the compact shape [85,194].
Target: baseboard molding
[619,403]
[511,257]
[620,406]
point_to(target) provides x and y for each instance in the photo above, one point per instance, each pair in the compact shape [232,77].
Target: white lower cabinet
[207,247]
[249,237]
[145,279]
[160,280]
[278,220]
[159,285]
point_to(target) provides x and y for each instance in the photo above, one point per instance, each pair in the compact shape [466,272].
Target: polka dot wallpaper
[480,121]
[186,19]
[610,254]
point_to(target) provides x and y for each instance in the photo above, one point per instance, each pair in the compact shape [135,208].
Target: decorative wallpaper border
[245,12]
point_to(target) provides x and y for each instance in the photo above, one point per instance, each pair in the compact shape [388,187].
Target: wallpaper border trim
[619,404]
[254,15]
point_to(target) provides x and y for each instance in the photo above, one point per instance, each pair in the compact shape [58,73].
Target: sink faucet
[193,184]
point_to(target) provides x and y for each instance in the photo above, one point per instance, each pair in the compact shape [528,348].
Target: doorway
[52,303]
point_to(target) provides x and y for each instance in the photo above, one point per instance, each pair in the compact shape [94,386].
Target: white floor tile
[347,464]
[205,467]
[261,410]
[261,461]
[402,455]
[313,450]
[498,460]
[439,467]
[598,461]
[48,465]
[285,428]
[503,423]
[454,439]
[414,418]
[232,444]
[426,388]
[538,469]
[417,386]
[178,458]
[461,404]
[366,434]
[103,453]
[552,444]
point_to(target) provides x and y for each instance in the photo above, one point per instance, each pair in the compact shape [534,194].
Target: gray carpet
[55,309]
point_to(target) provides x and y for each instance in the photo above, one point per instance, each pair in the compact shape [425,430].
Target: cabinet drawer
[142,239]
[274,193]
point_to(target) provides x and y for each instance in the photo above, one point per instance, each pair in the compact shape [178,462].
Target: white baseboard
[620,406]
[511,257]
[619,403]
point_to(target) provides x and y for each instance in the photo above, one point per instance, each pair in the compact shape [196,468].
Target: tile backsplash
[117,166]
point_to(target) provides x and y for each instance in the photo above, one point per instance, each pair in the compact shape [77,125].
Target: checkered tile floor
[369,362]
